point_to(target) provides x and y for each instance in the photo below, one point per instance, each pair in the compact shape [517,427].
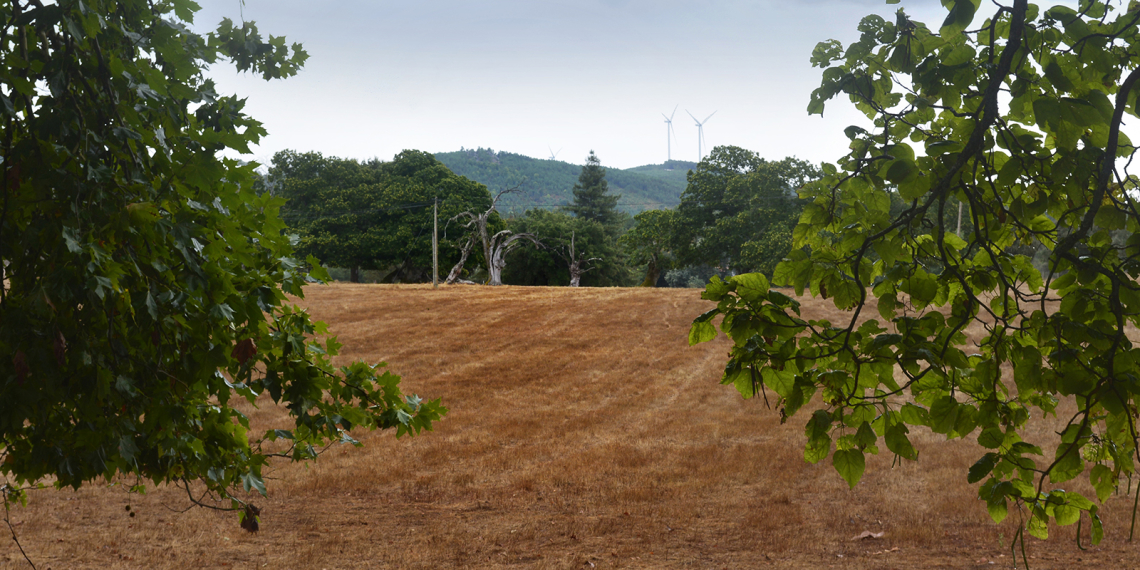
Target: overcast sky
[531,76]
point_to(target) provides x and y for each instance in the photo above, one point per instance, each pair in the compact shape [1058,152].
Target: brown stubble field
[583,433]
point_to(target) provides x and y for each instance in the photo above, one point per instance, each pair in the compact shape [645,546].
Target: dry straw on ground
[583,433]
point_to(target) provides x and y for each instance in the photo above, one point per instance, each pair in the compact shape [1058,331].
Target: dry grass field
[583,433]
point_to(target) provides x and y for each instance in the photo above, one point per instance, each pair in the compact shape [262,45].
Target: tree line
[735,216]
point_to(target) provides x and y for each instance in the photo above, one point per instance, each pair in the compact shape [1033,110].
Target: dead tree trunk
[501,244]
[575,263]
[464,251]
[495,248]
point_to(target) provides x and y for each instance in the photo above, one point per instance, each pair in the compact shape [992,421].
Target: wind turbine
[700,132]
[553,155]
[668,132]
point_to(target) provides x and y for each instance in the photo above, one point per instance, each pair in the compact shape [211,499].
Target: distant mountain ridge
[549,183]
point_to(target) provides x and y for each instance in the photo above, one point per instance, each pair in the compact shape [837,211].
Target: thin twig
[13,530]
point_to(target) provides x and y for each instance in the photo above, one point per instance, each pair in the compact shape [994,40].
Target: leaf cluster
[145,281]
[1015,114]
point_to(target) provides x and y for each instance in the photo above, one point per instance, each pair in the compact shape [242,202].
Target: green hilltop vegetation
[548,183]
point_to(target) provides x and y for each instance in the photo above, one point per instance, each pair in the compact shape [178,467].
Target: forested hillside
[672,171]
[547,183]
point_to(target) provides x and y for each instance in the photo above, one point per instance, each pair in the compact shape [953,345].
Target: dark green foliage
[549,265]
[647,243]
[672,171]
[548,183]
[1017,115]
[738,211]
[373,215]
[592,198]
[145,278]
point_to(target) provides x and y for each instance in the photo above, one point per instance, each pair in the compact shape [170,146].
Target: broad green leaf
[751,287]
[998,510]
[943,414]
[1068,464]
[703,331]
[1103,480]
[1038,527]
[850,464]
[716,289]
[898,442]
[982,468]
[1066,515]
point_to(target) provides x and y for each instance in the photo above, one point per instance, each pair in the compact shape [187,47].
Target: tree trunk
[575,264]
[354,275]
[652,274]
[495,268]
[463,253]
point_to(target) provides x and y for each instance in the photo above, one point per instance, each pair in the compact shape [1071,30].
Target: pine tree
[592,200]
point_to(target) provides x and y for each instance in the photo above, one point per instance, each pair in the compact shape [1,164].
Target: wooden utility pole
[435,245]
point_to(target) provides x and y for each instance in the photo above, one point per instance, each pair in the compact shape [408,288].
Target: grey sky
[522,75]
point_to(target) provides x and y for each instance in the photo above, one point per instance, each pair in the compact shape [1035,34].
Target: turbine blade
[694,118]
[674,112]
[708,117]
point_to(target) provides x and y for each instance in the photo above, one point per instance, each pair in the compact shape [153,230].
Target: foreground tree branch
[1017,123]
[146,283]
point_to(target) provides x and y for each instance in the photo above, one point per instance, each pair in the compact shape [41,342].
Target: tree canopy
[549,266]
[648,243]
[144,280]
[372,215]
[738,210]
[592,198]
[1016,112]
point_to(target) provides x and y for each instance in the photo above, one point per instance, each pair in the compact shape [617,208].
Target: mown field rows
[583,433]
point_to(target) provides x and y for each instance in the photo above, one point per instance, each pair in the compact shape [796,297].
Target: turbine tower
[669,132]
[700,133]
[553,155]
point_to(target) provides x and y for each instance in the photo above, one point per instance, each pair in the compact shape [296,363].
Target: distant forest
[548,183]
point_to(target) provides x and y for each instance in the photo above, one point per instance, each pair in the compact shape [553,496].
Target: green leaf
[991,437]
[1103,480]
[944,414]
[819,439]
[1097,526]
[960,17]
[701,331]
[850,464]
[998,510]
[1038,527]
[751,287]
[898,442]
[251,481]
[716,289]
[1068,464]
[865,436]
[980,469]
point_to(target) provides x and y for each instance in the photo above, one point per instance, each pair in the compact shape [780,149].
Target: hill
[583,433]
[548,183]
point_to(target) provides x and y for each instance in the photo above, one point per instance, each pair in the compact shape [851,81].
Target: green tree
[648,243]
[738,211]
[1017,114]
[145,281]
[550,265]
[592,198]
[372,215]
